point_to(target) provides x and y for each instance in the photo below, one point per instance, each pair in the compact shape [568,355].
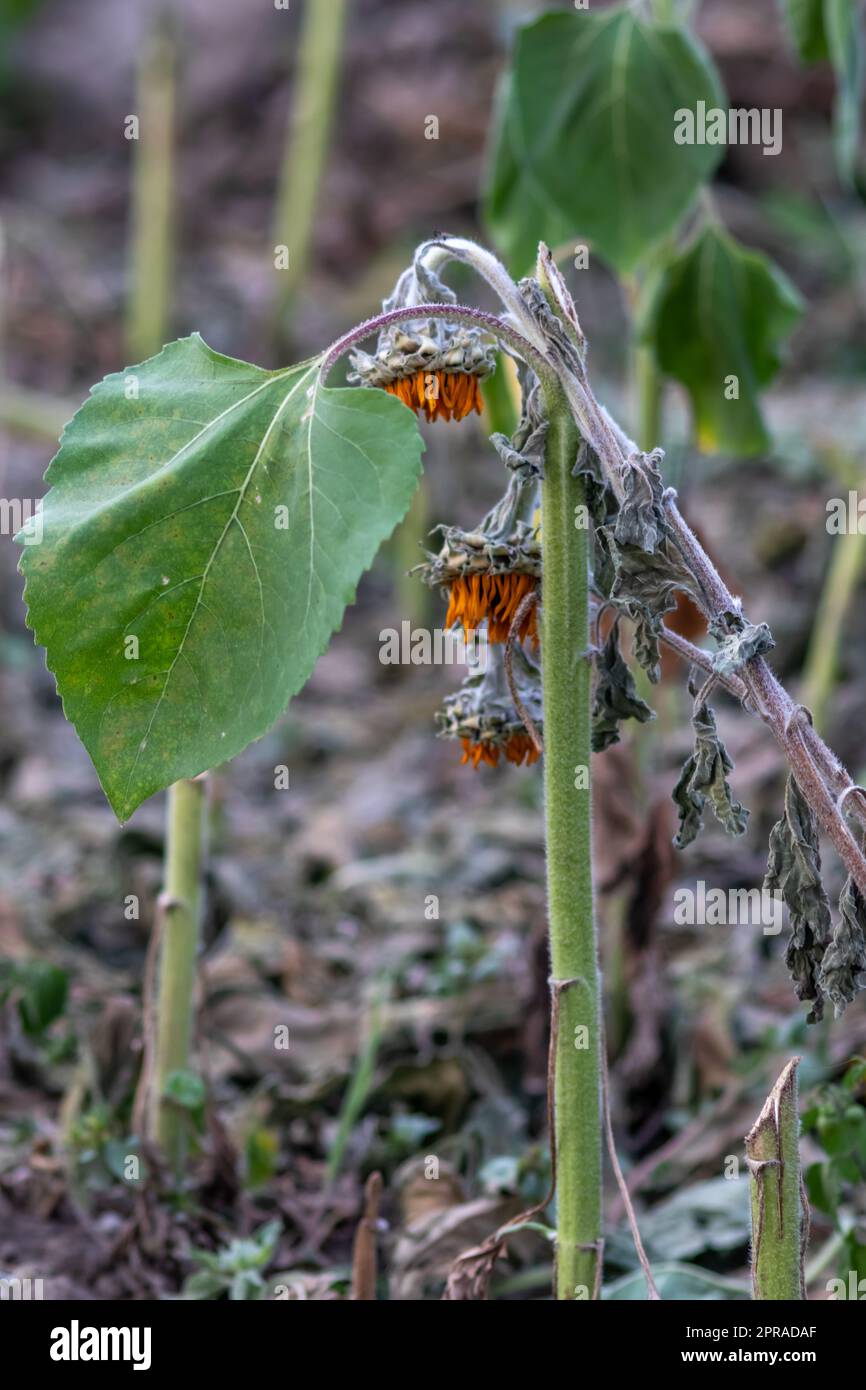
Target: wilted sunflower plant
[208,522]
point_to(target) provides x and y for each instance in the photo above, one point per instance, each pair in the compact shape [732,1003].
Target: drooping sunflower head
[437,373]
[494,596]
[486,579]
[518,749]
[483,716]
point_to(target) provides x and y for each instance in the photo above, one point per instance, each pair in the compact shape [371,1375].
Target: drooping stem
[823,779]
[779,1228]
[180,924]
[566,678]
[820,776]
[448,313]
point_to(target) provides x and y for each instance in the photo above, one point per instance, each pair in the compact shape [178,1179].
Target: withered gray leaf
[843,968]
[512,458]
[794,870]
[647,629]
[640,521]
[645,585]
[600,499]
[703,779]
[634,565]
[601,505]
[615,696]
[739,647]
[432,288]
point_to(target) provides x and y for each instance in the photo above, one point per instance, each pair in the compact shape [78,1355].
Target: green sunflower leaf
[833,29]
[718,317]
[584,135]
[207,524]
[805,20]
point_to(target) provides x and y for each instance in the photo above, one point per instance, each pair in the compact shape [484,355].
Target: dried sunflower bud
[488,572]
[431,367]
[482,714]
[438,370]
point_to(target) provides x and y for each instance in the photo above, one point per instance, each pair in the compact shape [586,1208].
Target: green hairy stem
[779,1212]
[566,678]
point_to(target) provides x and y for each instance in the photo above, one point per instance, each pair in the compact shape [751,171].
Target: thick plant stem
[776,1187]
[566,675]
[180,925]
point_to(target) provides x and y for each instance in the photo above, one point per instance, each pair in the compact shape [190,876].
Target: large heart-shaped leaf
[716,322]
[206,526]
[584,142]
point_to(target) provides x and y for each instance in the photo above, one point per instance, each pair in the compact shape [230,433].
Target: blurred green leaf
[408,1132]
[115,1155]
[261,1153]
[847,1168]
[246,1286]
[844,24]
[584,135]
[707,1217]
[716,322]
[500,400]
[42,991]
[677,1281]
[822,1187]
[236,1269]
[833,29]
[806,25]
[185,1089]
[824,236]
[855,1075]
[203,1285]
[251,1252]
[856,1255]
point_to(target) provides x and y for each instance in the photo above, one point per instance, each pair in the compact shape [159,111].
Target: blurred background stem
[151,218]
[33,412]
[361,1081]
[648,398]
[407,550]
[645,379]
[180,912]
[305,151]
[821,668]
